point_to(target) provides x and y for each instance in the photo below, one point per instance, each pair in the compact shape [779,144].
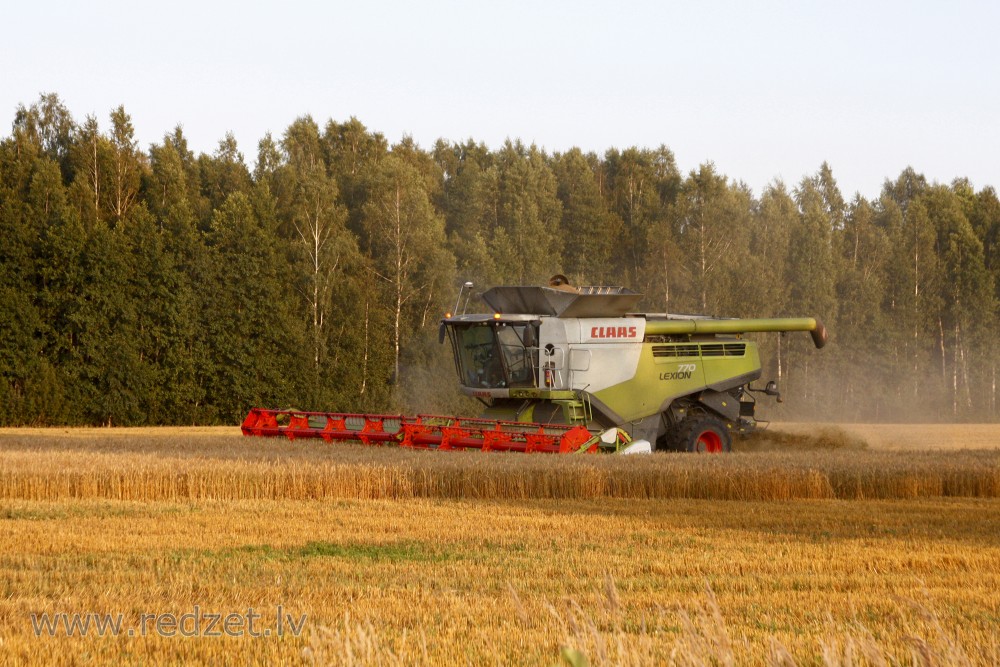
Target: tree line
[162,287]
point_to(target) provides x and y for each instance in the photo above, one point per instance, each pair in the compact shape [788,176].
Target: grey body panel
[586,302]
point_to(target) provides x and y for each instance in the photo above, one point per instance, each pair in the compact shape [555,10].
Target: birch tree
[712,227]
[126,168]
[406,242]
[318,220]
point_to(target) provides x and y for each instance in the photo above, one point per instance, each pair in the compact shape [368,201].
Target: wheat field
[799,549]
[909,437]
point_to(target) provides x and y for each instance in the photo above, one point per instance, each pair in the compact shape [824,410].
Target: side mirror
[529,336]
[771,389]
[441,333]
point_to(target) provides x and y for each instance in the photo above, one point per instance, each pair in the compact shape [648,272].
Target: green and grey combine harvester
[567,369]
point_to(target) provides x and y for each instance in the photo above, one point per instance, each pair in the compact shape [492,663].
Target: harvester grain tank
[566,369]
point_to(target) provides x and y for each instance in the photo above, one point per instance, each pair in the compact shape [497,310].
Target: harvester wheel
[704,434]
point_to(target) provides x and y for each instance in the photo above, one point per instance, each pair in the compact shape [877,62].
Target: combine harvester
[563,369]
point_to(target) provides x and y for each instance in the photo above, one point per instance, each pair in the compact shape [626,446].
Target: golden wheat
[232,467]
[832,556]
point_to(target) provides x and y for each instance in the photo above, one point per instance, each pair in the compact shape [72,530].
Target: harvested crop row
[444,582]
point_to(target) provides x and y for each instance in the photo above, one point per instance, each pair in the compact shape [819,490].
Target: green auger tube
[737,326]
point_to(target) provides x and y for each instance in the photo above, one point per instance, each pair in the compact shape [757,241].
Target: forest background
[162,287]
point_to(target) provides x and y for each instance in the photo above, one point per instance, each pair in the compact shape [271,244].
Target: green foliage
[469,200]
[256,340]
[528,212]
[711,220]
[639,185]
[587,225]
[164,287]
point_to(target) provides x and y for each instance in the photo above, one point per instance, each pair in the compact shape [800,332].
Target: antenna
[467,285]
[468,296]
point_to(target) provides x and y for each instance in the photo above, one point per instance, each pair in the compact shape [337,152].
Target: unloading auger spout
[736,326]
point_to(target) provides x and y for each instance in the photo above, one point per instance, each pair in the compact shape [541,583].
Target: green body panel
[522,403]
[720,370]
[659,380]
[547,394]
[508,411]
[569,408]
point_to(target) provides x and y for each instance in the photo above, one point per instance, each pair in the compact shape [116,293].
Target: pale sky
[765,90]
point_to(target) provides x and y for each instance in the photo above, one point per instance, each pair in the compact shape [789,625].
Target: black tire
[703,434]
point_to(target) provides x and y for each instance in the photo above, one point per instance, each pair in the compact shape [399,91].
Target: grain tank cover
[562,302]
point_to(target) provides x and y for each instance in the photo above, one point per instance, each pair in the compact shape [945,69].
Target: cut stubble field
[811,548]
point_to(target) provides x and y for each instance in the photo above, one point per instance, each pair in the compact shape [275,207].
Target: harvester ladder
[578,409]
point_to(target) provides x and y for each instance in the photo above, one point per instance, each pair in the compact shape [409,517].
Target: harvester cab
[581,356]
